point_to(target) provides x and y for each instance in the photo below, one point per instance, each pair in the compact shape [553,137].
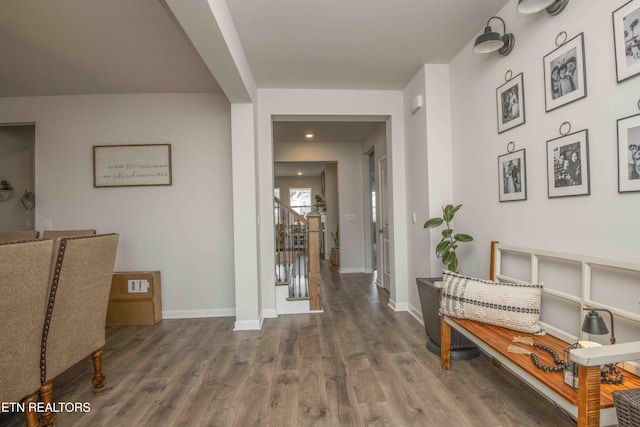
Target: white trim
[417,314]
[269,314]
[248,325]
[392,303]
[352,270]
[194,314]
[368,270]
[379,283]
[402,306]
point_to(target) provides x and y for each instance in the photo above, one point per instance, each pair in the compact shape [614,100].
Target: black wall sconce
[553,7]
[491,41]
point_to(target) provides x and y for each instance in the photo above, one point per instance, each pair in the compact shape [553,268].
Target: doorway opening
[17,177]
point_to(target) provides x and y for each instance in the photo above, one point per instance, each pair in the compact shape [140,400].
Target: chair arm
[594,356]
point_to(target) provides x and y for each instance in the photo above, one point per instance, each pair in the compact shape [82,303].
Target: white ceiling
[354,44]
[323,131]
[291,169]
[70,47]
[128,46]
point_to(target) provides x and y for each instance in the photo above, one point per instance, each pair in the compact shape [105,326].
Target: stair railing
[297,253]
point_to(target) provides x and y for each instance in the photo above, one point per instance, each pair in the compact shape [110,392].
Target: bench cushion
[509,305]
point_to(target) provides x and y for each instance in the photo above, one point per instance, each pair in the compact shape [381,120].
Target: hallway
[358,363]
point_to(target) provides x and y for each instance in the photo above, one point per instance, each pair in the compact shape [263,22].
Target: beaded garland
[556,359]
[560,364]
[610,369]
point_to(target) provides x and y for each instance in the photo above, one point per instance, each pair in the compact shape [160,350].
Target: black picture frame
[510,108]
[626,23]
[629,154]
[512,176]
[568,165]
[565,74]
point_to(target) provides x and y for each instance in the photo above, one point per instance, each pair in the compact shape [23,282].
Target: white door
[383,227]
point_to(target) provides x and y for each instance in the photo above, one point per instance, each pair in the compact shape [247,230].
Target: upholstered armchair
[74,326]
[56,234]
[14,236]
[24,273]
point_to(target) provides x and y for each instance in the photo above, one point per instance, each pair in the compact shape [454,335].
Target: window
[276,192]
[300,200]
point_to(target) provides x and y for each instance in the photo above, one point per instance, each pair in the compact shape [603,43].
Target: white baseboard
[398,306]
[392,304]
[194,314]
[378,283]
[417,314]
[402,306]
[248,325]
[351,270]
[368,270]
[269,313]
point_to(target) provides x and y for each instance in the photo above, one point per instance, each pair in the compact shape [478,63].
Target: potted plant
[429,291]
[320,204]
[335,251]
[446,249]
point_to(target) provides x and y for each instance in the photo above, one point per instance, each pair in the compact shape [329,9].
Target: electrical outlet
[138,286]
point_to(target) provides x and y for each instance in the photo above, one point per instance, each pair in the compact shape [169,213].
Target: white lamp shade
[527,7]
[488,46]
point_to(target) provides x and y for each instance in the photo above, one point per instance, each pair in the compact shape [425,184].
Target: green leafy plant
[446,249]
[5,185]
[336,237]
[320,204]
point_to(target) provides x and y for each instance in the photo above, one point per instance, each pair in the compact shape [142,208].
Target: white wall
[601,224]
[16,160]
[287,182]
[182,230]
[350,193]
[428,172]
[333,206]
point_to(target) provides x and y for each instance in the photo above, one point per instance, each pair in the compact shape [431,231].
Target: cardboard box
[135,298]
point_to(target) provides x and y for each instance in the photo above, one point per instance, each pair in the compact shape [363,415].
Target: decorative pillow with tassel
[509,305]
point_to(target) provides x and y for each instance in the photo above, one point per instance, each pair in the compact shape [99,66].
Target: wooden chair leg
[30,411]
[48,417]
[98,376]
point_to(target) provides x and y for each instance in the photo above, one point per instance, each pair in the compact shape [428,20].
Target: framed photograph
[512,172]
[131,165]
[626,39]
[629,154]
[565,78]
[510,104]
[568,165]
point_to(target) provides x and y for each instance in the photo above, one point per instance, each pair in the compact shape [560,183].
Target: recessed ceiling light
[299,173]
[309,135]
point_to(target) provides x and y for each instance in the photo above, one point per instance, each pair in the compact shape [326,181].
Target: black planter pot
[461,347]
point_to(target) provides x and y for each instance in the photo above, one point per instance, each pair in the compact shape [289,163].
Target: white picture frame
[131,165]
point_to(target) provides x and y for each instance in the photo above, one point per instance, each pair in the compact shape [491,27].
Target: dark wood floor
[358,363]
